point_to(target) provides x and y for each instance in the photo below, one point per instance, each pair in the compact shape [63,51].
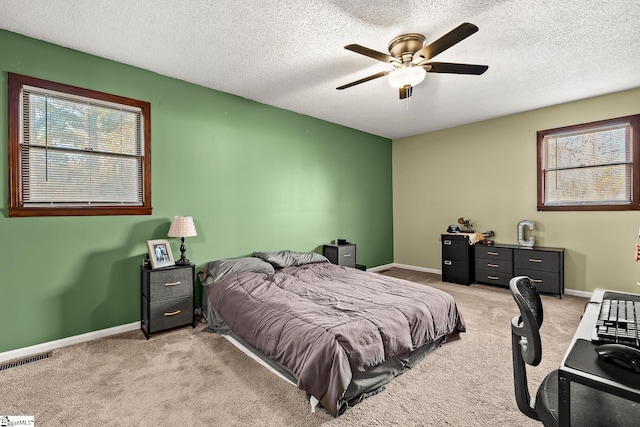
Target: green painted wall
[486,172]
[253,177]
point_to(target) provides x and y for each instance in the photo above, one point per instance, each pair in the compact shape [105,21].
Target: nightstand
[341,254]
[166,298]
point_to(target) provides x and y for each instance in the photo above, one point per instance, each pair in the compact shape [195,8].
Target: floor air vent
[24,360]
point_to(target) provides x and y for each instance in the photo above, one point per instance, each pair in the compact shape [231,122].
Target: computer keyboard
[619,319]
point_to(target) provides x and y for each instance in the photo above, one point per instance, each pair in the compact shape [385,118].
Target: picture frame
[160,253]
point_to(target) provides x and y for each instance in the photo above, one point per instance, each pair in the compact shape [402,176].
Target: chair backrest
[526,345]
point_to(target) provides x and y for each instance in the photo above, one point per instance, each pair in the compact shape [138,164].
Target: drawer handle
[173,313]
[536,280]
[534,260]
[493,253]
[447,263]
[346,255]
[172,284]
[493,265]
[447,242]
[493,277]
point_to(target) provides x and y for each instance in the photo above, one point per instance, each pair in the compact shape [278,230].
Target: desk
[581,365]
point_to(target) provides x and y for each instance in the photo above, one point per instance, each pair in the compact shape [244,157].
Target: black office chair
[527,350]
[589,406]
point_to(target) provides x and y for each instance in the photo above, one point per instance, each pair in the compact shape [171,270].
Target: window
[75,151]
[592,166]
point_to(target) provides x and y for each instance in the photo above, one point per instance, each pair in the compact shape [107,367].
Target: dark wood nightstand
[166,298]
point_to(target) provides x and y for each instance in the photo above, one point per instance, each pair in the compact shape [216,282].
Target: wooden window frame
[16,205]
[634,204]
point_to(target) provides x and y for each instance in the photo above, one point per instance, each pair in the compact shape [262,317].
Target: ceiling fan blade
[366,79]
[372,53]
[452,68]
[405,92]
[454,36]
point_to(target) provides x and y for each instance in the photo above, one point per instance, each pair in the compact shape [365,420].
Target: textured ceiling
[290,54]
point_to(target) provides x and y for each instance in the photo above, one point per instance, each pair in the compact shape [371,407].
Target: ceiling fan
[410,59]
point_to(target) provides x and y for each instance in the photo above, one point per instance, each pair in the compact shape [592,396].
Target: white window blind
[77,151]
[589,166]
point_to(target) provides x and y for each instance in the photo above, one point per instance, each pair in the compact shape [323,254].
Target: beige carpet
[194,378]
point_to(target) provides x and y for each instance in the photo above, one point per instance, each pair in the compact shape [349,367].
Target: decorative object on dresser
[340,253]
[457,258]
[182,226]
[160,253]
[166,298]
[521,227]
[497,264]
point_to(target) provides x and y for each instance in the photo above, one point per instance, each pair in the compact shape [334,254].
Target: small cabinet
[344,255]
[166,298]
[457,259]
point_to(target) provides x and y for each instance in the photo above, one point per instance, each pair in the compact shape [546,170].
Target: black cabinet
[167,298]
[497,264]
[341,254]
[457,259]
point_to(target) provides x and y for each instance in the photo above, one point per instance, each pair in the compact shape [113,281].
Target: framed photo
[160,253]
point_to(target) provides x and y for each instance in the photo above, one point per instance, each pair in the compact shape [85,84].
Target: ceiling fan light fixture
[407,76]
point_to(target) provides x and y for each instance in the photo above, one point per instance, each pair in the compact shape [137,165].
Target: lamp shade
[182,226]
[407,76]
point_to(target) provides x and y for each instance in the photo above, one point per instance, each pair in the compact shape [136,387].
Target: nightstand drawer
[340,254]
[536,260]
[170,313]
[173,283]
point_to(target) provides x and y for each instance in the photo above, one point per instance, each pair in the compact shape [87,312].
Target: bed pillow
[287,258]
[216,270]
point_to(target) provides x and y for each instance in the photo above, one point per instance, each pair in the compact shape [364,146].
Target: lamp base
[183,249]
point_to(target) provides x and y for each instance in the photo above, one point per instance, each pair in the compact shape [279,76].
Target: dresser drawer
[494,265]
[494,253]
[170,313]
[536,260]
[548,282]
[173,283]
[493,277]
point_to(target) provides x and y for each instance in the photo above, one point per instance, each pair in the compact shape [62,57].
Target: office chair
[590,407]
[526,349]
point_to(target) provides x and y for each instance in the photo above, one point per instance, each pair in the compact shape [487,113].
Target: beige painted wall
[486,172]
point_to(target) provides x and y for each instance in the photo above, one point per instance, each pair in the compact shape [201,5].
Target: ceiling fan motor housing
[403,47]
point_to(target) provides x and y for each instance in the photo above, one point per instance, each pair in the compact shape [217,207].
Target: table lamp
[182,226]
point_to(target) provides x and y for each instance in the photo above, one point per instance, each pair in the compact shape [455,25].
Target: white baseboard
[52,345]
[584,294]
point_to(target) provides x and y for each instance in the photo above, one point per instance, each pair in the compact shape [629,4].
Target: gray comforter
[326,324]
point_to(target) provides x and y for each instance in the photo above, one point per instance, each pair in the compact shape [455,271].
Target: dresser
[340,254]
[497,264]
[166,298]
[457,259]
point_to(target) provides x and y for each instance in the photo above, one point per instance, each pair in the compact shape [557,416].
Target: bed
[339,333]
